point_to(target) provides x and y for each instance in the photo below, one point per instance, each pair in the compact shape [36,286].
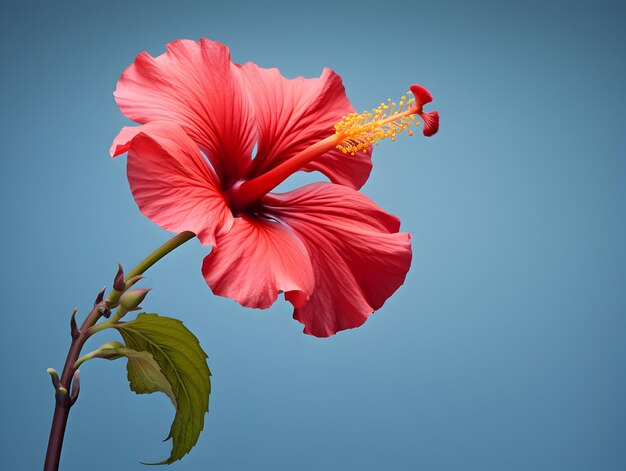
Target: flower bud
[75,387]
[73,326]
[55,377]
[131,299]
[110,351]
[118,283]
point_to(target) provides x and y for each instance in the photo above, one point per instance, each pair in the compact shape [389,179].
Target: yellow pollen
[358,131]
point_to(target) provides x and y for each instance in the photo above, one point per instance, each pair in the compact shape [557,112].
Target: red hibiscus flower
[334,254]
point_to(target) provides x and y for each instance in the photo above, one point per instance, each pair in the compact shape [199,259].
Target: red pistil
[246,193]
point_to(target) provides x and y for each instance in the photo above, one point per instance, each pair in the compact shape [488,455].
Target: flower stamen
[388,120]
[356,132]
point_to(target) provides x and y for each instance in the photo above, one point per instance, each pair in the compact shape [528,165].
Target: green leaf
[145,375]
[182,373]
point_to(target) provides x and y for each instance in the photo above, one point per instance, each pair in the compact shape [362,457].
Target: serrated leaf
[182,362]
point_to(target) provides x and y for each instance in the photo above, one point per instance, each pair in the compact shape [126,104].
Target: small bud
[100,296]
[110,351]
[131,300]
[73,327]
[118,283]
[75,387]
[55,377]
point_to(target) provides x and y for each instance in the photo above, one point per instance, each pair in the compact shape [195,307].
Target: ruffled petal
[173,185]
[359,257]
[196,86]
[257,260]
[122,141]
[293,114]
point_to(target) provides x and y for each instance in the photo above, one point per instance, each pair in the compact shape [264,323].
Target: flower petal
[172,183]
[294,114]
[359,258]
[122,141]
[195,85]
[257,260]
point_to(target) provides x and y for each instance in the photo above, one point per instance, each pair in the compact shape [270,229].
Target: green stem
[109,351]
[151,259]
[85,358]
[119,313]
[112,322]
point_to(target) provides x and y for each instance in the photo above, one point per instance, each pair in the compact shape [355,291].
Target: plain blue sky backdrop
[504,350]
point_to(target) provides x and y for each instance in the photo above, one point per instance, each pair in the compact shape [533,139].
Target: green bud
[55,377]
[109,351]
[131,299]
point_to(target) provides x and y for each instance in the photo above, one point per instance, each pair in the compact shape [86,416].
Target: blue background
[504,350]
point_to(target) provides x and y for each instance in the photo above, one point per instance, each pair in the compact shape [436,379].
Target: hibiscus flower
[333,252]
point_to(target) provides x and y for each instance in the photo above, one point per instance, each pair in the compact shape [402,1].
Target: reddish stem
[62,399]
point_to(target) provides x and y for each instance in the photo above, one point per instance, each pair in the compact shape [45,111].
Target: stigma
[357,132]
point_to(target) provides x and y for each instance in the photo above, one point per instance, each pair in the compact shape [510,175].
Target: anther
[359,131]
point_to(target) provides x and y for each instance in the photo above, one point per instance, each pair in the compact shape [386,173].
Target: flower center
[355,132]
